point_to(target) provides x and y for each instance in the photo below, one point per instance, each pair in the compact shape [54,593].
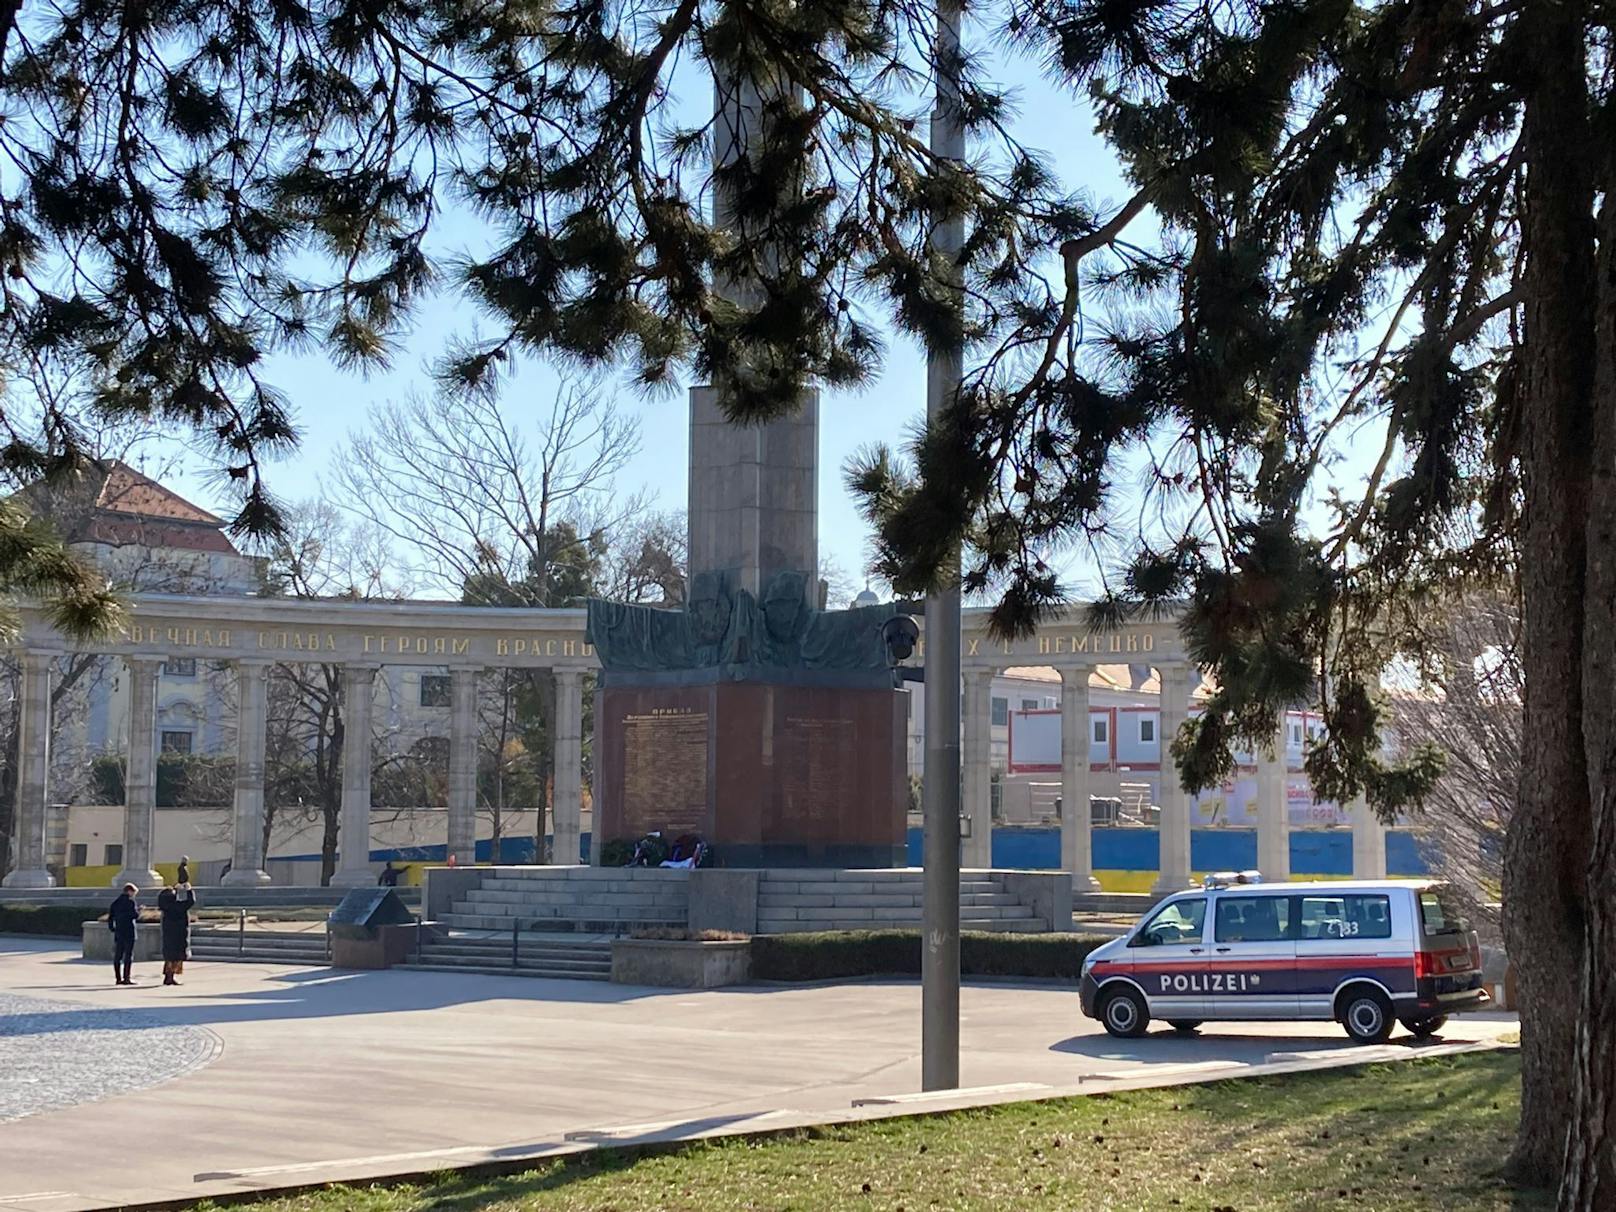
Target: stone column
[140,776]
[353,838]
[1175,802]
[33,773]
[567,807]
[1368,842]
[1077,819]
[1273,812]
[977,720]
[463,765]
[252,713]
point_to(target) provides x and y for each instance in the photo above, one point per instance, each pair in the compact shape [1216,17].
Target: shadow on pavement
[320,993]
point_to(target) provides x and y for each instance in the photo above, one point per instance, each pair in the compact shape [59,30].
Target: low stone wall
[1047,893]
[97,944]
[724,899]
[681,965]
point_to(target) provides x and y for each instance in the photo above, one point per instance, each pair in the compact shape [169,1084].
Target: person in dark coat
[184,877]
[175,904]
[121,920]
[389,876]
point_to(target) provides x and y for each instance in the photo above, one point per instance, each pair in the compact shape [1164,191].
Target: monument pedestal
[770,773]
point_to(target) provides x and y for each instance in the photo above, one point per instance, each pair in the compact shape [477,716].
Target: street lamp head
[899,635]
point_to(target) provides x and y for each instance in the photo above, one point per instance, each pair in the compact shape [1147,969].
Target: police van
[1366,954]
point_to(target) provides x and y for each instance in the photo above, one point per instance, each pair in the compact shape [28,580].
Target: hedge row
[834,955]
[65,920]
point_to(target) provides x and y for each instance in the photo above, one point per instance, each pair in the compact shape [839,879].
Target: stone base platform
[619,900]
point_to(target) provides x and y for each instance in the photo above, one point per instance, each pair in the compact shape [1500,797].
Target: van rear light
[1475,951]
[1426,964]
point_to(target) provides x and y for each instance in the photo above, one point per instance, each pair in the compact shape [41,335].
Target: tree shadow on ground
[320,993]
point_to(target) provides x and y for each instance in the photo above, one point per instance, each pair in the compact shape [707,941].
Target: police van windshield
[1440,912]
[1178,922]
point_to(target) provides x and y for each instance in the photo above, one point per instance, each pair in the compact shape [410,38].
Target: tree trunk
[1589,1181]
[8,791]
[1547,844]
[330,779]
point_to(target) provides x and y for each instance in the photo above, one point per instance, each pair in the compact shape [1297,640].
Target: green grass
[1409,1136]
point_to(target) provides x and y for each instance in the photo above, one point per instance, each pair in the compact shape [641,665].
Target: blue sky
[328,402]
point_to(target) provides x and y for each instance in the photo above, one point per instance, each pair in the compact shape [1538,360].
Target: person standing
[121,920]
[175,904]
[389,876]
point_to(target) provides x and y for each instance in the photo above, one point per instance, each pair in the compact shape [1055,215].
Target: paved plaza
[255,1075]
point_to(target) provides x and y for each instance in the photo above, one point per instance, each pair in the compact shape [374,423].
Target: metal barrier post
[328,941]
[418,925]
[516,934]
[241,932]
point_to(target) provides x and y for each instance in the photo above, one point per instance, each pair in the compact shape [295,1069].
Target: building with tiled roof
[142,533]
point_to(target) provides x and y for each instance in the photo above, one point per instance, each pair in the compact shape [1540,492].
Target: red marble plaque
[770,775]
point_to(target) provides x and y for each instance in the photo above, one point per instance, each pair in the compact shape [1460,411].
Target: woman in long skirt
[175,905]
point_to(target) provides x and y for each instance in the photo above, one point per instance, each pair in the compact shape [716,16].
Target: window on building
[176,742]
[1029,704]
[1102,730]
[179,667]
[78,855]
[434,690]
[112,854]
[1147,730]
[1253,919]
[1001,712]
[1296,734]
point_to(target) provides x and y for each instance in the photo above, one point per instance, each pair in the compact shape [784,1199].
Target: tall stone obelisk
[754,489]
[750,718]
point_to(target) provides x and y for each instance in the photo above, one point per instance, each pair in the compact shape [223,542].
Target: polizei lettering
[1208,982]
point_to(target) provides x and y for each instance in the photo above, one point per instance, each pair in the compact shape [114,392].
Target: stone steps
[524,971]
[608,911]
[617,901]
[898,900]
[592,876]
[909,886]
[492,957]
[507,896]
[577,925]
[999,925]
[260,948]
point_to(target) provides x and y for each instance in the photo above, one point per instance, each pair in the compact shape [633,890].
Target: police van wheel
[1184,1026]
[1367,1016]
[1124,1014]
[1424,1028]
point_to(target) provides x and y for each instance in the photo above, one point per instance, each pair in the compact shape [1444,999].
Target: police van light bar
[1225,879]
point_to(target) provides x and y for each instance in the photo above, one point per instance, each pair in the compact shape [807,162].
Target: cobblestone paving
[59,1054]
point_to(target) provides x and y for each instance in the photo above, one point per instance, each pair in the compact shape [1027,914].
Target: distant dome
[866,597]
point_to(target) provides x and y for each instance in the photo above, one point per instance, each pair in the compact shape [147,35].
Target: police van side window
[1253,919]
[1351,915]
[1440,913]
[1179,922]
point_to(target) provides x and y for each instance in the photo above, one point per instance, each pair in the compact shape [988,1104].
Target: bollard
[241,932]
[516,934]
[418,924]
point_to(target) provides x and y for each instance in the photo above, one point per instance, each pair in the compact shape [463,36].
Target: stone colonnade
[247,829]
[1177,681]
[361,638]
